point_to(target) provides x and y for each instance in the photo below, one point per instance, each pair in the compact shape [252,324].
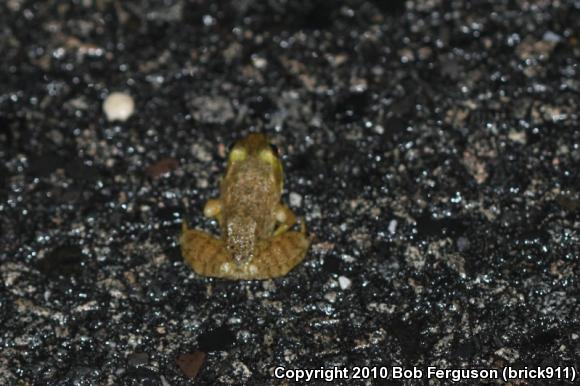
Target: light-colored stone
[118,106]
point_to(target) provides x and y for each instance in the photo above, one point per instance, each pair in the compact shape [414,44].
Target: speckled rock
[432,148]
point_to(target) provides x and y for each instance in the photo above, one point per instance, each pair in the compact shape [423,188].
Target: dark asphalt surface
[433,148]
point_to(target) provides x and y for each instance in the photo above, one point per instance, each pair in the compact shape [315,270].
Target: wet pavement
[432,148]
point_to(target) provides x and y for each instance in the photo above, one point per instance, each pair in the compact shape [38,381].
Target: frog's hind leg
[281,254]
[205,253]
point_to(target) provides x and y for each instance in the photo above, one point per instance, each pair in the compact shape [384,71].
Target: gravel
[431,147]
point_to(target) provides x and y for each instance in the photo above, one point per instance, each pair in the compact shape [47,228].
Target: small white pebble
[315,212]
[518,136]
[118,106]
[289,356]
[393,227]
[208,20]
[406,55]
[295,199]
[551,37]
[347,258]
[379,129]
[344,282]
[331,296]
[259,62]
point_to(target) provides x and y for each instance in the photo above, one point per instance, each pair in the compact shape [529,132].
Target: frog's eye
[237,154]
[268,156]
[274,149]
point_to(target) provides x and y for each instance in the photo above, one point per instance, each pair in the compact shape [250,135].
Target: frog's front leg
[285,217]
[205,253]
[212,208]
[281,254]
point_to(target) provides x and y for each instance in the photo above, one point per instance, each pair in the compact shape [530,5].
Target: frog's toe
[204,253]
[282,254]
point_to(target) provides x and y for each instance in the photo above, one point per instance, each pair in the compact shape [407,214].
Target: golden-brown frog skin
[255,239]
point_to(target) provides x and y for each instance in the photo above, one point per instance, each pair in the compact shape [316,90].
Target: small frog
[255,239]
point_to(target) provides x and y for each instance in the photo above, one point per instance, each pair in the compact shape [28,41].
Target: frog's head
[256,147]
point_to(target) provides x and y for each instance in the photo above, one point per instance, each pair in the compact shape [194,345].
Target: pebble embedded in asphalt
[118,106]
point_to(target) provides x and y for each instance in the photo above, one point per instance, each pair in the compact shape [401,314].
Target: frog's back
[250,191]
